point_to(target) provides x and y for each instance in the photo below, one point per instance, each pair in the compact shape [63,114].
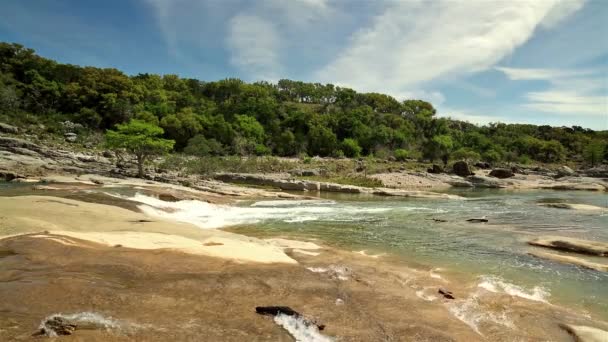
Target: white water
[207,215]
[300,329]
[498,285]
[90,318]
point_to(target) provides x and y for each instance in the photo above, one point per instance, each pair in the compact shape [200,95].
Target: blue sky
[541,62]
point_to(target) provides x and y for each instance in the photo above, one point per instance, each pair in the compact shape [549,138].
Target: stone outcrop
[486,182]
[568,244]
[502,173]
[572,206]
[571,260]
[564,171]
[6,128]
[462,169]
[583,333]
[435,169]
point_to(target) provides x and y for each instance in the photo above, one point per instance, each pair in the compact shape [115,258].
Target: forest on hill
[289,118]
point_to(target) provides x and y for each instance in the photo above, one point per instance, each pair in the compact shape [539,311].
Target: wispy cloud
[254,44]
[403,48]
[569,91]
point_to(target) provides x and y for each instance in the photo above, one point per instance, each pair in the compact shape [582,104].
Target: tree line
[289,118]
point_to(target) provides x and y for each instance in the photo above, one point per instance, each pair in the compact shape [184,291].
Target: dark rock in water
[275,310]
[56,326]
[483,165]
[477,220]
[285,310]
[9,175]
[435,169]
[462,169]
[445,293]
[502,173]
[439,220]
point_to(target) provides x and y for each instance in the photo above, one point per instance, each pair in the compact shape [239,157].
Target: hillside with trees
[289,118]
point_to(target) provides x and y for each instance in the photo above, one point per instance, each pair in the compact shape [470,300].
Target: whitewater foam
[90,319]
[300,329]
[498,285]
[208,215]
[471,312]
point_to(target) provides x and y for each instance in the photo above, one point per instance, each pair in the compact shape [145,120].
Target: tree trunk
[140,166]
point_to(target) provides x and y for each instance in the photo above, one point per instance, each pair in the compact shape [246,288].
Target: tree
[140,139]
[351,148]
[594,152]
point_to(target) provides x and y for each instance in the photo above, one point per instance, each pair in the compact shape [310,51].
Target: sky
[514,61]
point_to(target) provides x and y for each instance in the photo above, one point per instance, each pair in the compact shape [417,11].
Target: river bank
[127,258]
[138,275]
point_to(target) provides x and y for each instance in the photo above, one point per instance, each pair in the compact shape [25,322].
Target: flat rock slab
[567,244]
[571,260]
[572,206]
[585,334]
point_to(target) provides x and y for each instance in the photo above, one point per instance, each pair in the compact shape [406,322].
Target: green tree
[594,152]
[141,139]
[351,148]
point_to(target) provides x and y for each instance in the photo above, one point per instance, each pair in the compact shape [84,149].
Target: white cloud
[569,91]
[414,42]
[561,11]
[254,45]
[469,116]
[518,74]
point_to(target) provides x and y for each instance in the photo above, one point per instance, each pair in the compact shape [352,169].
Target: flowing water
[493,255]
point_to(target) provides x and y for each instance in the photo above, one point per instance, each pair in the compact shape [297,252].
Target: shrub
[351,148]
[200,146]
[401,154]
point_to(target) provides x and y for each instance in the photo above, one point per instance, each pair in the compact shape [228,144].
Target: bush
[200,146]
[465,154]
[261,150]
[492,156]
[401,154]
[351,148]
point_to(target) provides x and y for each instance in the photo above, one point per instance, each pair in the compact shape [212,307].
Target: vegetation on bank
[289,118]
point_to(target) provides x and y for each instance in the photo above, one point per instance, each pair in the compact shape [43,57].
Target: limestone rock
[572,206]
[571,260]
[564,171]
[462,169]
[571,245]
[435,169]
[583,333]
[6,128]
[70,137]
[502,173]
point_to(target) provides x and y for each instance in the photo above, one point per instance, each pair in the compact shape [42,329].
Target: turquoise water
[405,228]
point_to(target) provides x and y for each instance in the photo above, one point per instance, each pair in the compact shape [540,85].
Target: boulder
[107,154]
[564,171]
[70,137]
[6,128]
[486,182]
[483,165]
[462,169]
[435,169]
[55,326]
[502,173]
[568,244]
